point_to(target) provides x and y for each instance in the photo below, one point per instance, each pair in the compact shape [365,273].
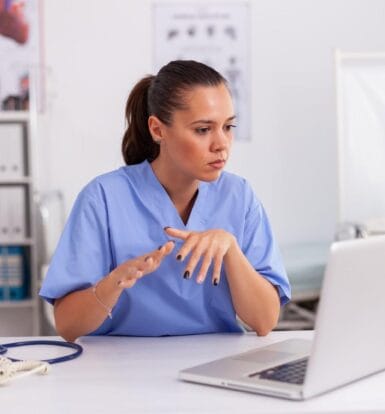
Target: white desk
[139,375]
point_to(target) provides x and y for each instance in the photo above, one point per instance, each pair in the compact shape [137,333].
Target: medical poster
[19,52]
[216,34]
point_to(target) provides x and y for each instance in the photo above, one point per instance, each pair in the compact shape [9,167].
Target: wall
[95,52]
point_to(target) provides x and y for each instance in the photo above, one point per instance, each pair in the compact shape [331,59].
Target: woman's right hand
[128,272]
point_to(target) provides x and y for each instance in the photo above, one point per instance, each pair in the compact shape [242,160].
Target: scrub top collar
[156,196]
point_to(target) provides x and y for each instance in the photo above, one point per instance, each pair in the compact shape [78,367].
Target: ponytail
[137,144]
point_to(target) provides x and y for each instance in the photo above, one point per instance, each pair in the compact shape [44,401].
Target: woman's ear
[155,127]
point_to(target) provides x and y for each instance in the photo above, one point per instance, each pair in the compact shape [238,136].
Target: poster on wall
[216,34]
[19,53]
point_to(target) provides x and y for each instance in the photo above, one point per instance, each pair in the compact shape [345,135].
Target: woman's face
[196,144]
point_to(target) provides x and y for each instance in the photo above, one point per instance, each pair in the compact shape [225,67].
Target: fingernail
[186,274]
[179,257]
[160,247]
[215,282]
[165,228]
[119,282]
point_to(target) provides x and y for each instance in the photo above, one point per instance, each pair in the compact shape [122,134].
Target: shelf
[10,116]
[18,227]
[15,181]
[26,303]
[13,242]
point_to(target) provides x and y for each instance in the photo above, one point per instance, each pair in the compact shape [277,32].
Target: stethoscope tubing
[77,349]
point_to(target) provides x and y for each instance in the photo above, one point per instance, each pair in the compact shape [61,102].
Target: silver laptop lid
[349,340]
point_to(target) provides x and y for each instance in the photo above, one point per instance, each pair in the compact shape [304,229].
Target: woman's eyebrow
[209,121]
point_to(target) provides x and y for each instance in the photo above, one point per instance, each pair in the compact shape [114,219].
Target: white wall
[96,50]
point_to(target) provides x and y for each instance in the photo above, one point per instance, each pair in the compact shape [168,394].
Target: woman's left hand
[210,245]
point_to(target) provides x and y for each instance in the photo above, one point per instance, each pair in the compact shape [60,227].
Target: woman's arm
[80,313]
[83,311]
[255,299]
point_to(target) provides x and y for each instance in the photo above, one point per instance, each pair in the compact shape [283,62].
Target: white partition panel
[361,135]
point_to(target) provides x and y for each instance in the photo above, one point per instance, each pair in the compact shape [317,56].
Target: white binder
[12,213]
[12,162]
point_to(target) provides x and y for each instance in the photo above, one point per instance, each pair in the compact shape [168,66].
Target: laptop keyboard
[293,372]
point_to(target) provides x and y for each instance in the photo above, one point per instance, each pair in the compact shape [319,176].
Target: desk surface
[139,375]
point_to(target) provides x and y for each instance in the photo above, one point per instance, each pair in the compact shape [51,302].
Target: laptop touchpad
[263,356]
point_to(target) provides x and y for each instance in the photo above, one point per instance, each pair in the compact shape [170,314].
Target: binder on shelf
[13,273]
[12,152]
[13,214]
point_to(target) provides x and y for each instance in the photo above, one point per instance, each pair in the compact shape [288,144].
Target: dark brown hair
[160,95]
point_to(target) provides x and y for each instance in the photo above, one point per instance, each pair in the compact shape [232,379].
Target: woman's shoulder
[236,187]
[232,182]
[112,180]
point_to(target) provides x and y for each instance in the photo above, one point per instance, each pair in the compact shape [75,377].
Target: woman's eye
[202,131]
[229,127]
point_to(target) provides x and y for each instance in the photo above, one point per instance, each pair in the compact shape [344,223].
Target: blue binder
[13,273]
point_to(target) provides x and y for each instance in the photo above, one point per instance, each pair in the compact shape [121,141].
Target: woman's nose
[221,141]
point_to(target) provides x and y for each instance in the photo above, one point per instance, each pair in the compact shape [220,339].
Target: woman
[169,244]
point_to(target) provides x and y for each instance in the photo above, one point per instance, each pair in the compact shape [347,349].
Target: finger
[163,251]
[217,265]
[204,268]
[127,283]
[131,275]
[131,272]
[147,264]
[193,261]
[168,247]
[180,234]
[187,247]
[152,261]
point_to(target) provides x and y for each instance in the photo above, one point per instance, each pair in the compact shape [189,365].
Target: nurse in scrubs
[170,243]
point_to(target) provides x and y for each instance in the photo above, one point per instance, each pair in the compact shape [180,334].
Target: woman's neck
[181,190]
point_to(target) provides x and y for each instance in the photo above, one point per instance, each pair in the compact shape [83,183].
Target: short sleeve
[83,254]
[261,249]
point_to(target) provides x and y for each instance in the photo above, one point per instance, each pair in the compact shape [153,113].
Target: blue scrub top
[121,215]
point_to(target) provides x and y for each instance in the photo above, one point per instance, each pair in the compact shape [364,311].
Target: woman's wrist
[107,291]
[107,308]
[233,246]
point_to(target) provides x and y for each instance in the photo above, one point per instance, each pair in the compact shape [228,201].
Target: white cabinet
[19,302]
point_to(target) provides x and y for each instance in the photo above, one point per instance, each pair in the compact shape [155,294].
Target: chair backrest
[50,222]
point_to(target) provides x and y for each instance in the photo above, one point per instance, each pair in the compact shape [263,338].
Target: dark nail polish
[165,228]
[160,247]
[186,274]
[179,257]
[215,282]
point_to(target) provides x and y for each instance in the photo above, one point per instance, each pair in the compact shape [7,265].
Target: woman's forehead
[206,100]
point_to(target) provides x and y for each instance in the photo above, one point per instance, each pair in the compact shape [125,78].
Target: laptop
[349,338]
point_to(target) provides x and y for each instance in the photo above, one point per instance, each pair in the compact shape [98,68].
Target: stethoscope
[77,349]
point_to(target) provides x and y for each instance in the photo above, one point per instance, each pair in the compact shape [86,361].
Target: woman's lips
[218,164]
